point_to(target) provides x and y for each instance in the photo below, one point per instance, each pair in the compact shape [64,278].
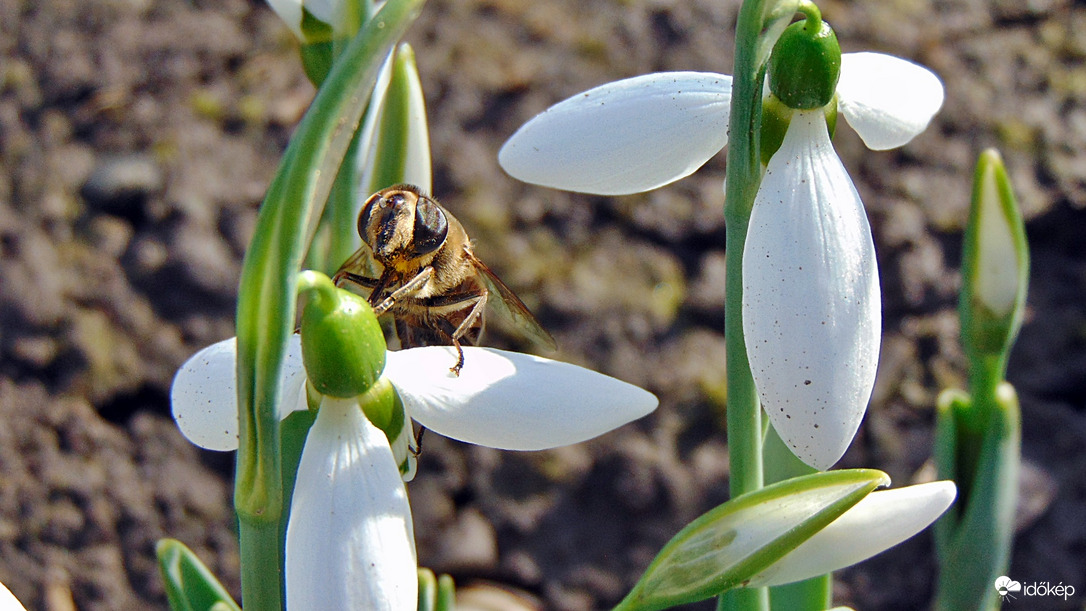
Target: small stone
[122,184]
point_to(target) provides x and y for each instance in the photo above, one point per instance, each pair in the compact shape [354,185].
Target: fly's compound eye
[380,210]
[431,227]
[365,218]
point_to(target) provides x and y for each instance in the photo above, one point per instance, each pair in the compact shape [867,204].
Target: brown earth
[137,138]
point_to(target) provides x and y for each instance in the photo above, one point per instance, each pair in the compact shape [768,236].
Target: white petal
[886,99]
[8,602]
[510,400]
[290,11]
[811,301]
[349,538]
[878,522]
[204,397]
[324,10]
[624,137]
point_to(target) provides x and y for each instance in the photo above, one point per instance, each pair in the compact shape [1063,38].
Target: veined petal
[811,301]
[886,99]
[204,397]
[624,137]
[290,11]
[509,400]
[878,522]
[350,543]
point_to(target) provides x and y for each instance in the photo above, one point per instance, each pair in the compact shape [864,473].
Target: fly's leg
[465,325]
[359,279]
[412,286]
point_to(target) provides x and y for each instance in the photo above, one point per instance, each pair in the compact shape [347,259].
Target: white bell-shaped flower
[349,539]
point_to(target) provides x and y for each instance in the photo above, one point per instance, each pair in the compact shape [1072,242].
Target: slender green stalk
[743,178]
[266,307]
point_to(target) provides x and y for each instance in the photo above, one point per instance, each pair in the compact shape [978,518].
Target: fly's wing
[361,265]
[503,300]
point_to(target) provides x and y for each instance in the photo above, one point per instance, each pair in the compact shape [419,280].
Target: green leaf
[190,585]
[737,540]
[398,147]
[436,593]
[446,593]
[427,590]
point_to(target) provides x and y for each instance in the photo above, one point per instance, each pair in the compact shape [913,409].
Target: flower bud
[995,264]
[343,347]
[805,65]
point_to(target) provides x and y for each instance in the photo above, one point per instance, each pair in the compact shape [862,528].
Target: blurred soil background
[137,138]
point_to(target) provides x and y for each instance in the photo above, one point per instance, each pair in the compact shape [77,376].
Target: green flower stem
[743,178]
[758,26]
[266,307]
[973,539]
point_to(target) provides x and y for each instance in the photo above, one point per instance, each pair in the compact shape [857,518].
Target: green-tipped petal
[509,400]
[349,541]
[624,137]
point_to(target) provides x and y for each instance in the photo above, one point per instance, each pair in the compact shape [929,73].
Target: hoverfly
[429,279]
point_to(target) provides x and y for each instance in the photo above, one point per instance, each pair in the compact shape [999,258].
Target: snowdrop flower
[350,542]
[811,299]
[644,132]
[349,538]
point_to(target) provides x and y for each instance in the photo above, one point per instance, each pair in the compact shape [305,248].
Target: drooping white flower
[644,132]
[812,311]
[811,301]
[349,506]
